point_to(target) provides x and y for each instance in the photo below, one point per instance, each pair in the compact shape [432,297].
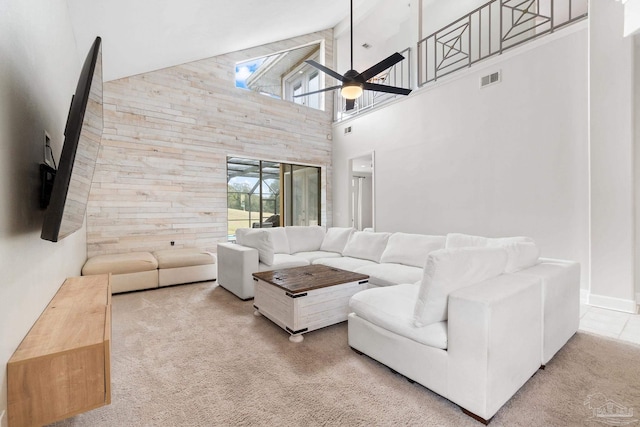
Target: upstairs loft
[483,33]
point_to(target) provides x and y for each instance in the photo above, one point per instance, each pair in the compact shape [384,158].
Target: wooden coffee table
[303,299]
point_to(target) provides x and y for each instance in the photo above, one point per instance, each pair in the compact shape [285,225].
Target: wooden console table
[62,367]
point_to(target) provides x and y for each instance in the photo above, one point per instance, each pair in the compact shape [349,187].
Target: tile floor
[609,323]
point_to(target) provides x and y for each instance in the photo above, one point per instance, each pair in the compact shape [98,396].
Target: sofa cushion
[131,262]
[283,261]
[411,249]
[391,308]
[391,274]
[447,270]
[280,240]
[336,239]
[522,251]
[459,240]
[366,245]
[344,263]
[183,257]
[241,232]
[520,255]
[314,255]
[258,239]
[304,239]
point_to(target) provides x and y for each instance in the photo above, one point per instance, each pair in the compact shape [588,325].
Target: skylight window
[244,70]
[283,75]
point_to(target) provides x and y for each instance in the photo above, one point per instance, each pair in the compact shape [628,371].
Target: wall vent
[347,130]
[490,79]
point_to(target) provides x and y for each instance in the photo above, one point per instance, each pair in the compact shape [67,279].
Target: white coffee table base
[299,313]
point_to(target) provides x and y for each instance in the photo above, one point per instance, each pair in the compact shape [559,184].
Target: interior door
[362,207]
[305,196]
[302,195]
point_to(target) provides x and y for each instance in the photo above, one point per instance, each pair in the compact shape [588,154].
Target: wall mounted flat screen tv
[83,133]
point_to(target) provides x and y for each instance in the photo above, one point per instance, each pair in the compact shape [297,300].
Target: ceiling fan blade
[317,91]
[381,66]
[387,89]
[323,68]
[350,104]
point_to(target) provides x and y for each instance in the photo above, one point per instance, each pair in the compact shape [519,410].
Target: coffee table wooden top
[308,278]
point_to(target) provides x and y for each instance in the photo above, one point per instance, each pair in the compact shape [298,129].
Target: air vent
[347,130]
[490,79]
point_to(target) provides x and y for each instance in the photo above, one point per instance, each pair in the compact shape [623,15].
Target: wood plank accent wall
[161,174]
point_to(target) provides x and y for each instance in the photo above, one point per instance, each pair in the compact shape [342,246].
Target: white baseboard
[611,303]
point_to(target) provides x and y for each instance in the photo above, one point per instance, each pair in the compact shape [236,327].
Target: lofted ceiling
[139,36]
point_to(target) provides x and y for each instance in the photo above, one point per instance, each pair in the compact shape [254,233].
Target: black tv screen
[83,133]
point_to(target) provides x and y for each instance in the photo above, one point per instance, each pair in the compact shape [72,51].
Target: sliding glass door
[270,194]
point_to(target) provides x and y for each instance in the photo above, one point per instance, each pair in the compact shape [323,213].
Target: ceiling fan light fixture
[353,82]
[351,91]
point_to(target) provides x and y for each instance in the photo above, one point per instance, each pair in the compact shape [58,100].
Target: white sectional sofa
[468,317]
[469,330]
[388,259]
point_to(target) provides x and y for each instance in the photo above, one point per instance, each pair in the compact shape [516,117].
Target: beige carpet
[195,355]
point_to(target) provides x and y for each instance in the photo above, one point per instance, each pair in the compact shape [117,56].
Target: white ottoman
[129,272]
[185,265]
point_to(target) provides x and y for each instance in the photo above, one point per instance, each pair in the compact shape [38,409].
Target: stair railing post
[469,39]
[501,29]
[420,61]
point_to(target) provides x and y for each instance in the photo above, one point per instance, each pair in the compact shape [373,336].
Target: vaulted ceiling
[144,35]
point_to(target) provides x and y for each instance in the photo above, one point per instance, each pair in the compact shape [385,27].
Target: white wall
[509,159]
[38,72]
[611,159]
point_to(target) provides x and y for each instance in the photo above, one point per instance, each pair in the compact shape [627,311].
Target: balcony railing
[489,30]
[399,75]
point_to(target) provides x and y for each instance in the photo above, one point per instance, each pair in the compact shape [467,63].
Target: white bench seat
[185,265]
[135,271]
[129,271]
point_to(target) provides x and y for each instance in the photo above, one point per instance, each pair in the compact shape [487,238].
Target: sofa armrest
[236,263]
[560,302]
[494,341]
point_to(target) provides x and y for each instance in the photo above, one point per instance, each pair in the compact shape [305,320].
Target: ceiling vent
[490,79]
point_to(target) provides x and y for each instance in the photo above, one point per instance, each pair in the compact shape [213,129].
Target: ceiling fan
[353,82]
